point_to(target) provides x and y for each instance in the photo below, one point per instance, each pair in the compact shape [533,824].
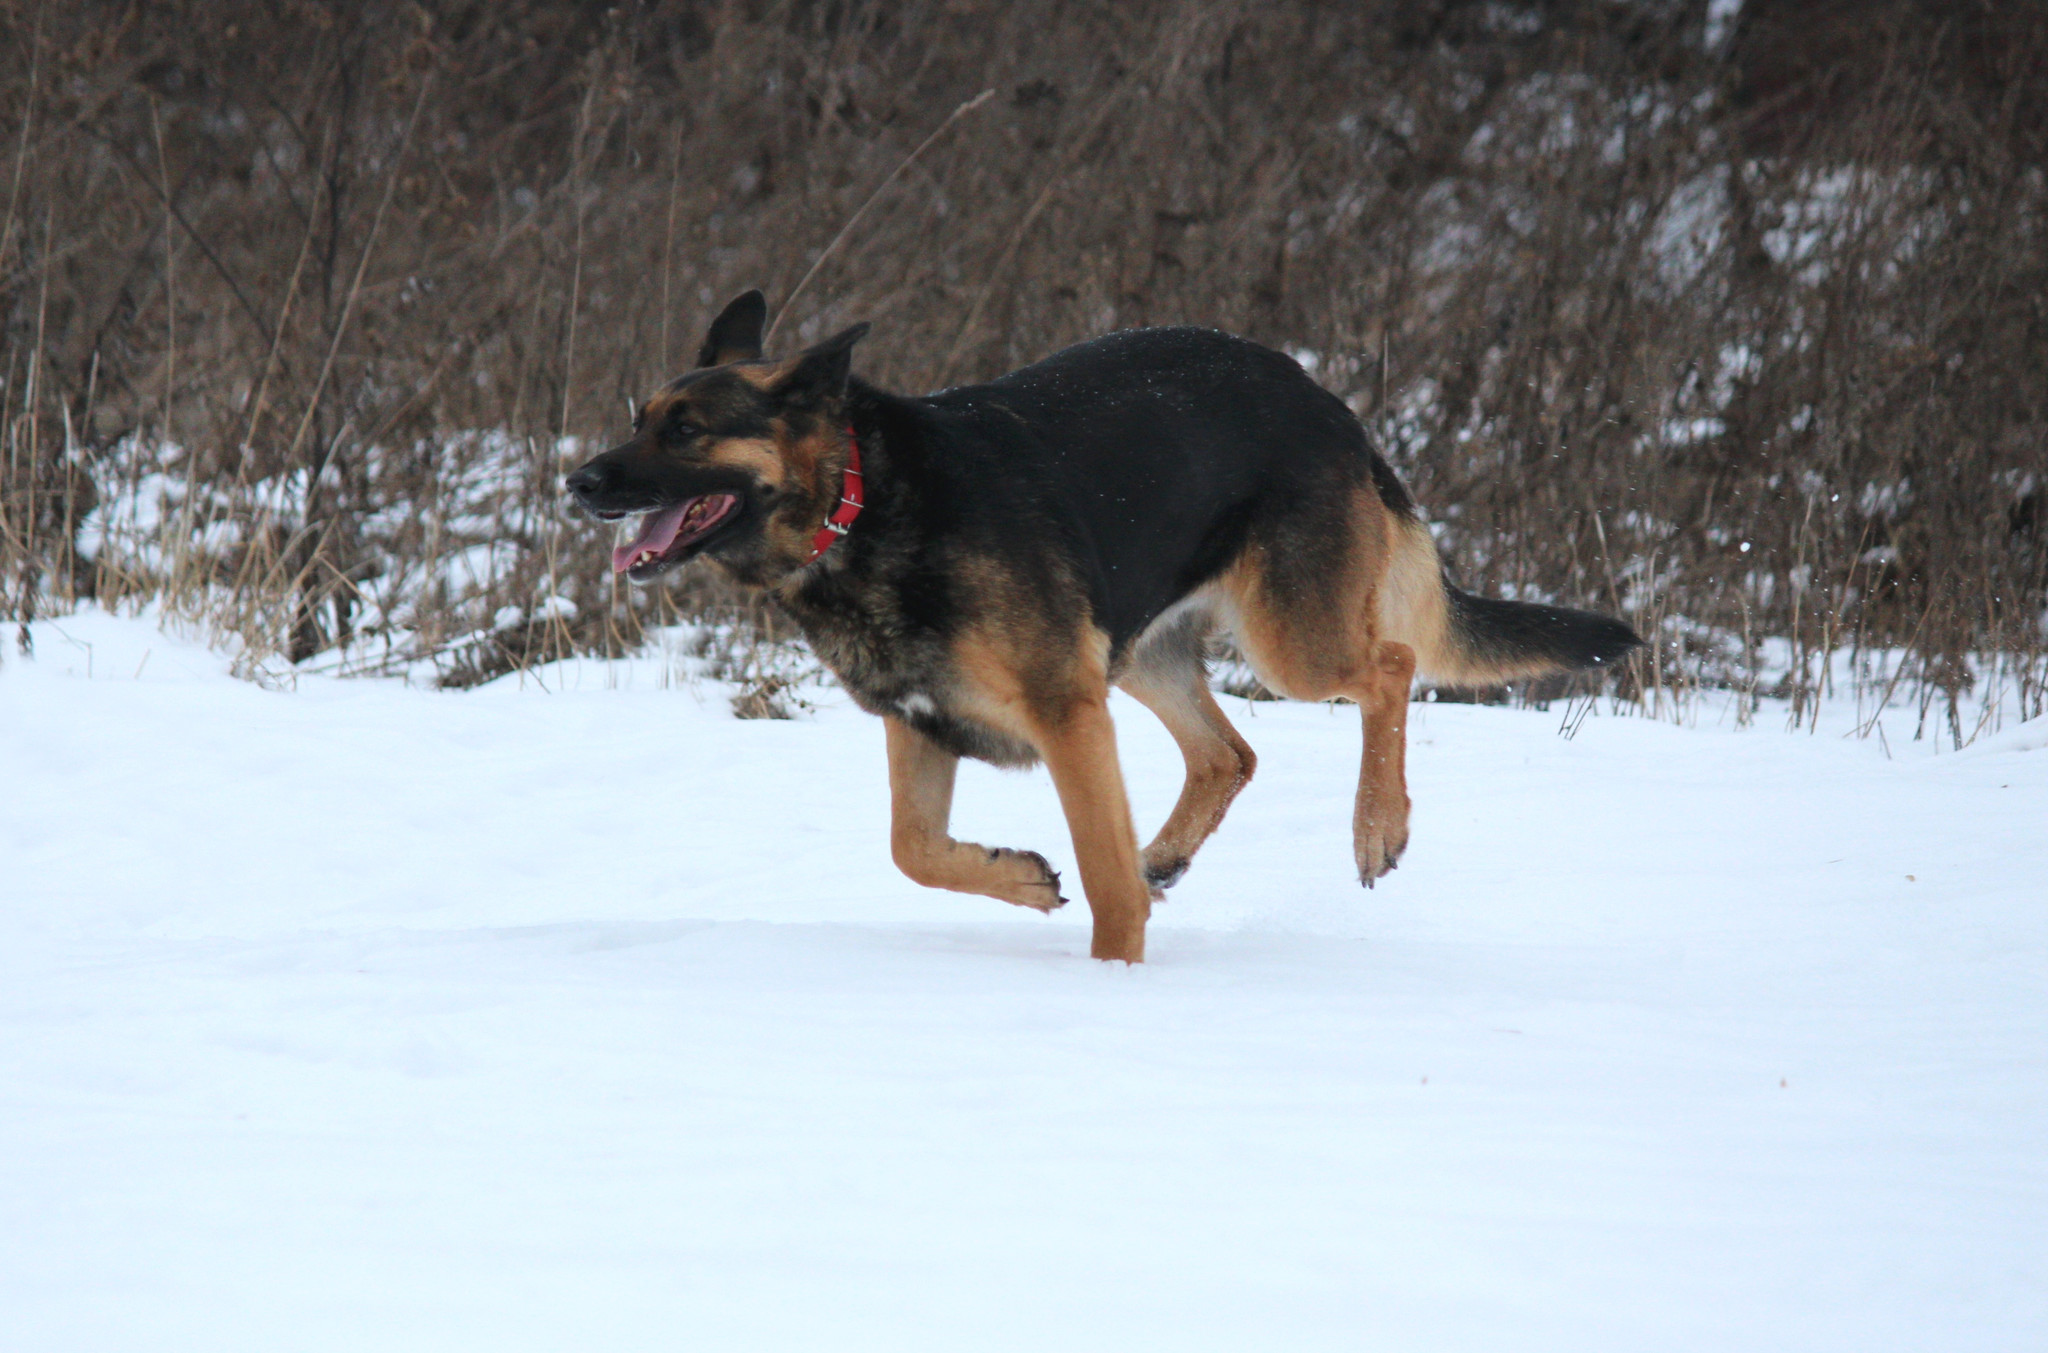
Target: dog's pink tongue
[657,533]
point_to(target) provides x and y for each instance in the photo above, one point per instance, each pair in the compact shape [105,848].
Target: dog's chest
[904,677]
[886,661]
[896,667]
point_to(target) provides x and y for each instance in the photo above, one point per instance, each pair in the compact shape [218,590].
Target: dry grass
[1737,332]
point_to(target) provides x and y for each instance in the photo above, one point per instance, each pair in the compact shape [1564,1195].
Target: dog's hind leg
[921,777]
[1219,761]
[1379,820]
[1376,675]
[1305,608]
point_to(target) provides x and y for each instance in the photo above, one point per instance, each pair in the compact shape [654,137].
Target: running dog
[980,566]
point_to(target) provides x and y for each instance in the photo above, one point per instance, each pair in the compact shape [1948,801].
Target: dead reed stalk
[1731,324]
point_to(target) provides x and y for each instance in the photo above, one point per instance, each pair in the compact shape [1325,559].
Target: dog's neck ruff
[851,500]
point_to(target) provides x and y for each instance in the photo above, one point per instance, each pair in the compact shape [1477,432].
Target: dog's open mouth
[667,533]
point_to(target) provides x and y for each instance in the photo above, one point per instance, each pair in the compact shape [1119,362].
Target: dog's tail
[1463,640]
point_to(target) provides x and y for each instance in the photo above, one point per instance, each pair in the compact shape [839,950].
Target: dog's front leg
[1078,742]
[921,802]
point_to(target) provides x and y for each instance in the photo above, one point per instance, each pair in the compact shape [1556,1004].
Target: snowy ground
[366,1017]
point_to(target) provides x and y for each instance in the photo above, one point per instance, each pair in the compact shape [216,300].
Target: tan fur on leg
[1331,645]
[1379,823]
[921,777]
[1219,764]
[1078,743]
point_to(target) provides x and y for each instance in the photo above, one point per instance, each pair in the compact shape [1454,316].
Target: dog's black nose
[587,481]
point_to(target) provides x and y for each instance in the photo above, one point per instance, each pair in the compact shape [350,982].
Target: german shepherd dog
[981,565]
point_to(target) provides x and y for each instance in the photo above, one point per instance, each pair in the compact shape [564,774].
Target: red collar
[851,500]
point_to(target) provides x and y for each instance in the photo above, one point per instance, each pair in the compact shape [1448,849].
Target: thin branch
[1038,204]
[362,265]
[977,101]
[28,120]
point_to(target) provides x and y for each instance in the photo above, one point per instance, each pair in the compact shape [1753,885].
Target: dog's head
[739,460]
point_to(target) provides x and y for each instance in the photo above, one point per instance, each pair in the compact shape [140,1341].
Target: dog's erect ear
[735,335]
[820,373]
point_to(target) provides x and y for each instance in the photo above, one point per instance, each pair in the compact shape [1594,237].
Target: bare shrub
[1732,324]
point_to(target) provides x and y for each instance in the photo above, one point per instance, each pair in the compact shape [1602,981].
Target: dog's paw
[1163,874]
[1028,880]
[1379,854]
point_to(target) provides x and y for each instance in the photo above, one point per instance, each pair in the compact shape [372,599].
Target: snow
[575,1013]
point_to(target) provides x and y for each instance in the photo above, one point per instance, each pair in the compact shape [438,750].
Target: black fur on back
[1146,455]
